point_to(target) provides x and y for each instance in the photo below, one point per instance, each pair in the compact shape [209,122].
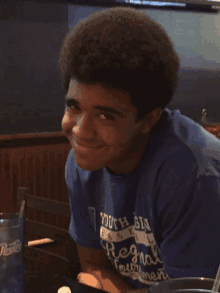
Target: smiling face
[101,126]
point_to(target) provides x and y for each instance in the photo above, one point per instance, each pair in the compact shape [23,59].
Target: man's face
[101,137]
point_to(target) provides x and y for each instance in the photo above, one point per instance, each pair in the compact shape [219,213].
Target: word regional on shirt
[132,249]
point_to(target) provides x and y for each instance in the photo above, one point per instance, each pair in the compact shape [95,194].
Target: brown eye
[109,117]
[71,106]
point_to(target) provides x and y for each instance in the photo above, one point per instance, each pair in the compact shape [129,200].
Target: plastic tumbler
[12,275]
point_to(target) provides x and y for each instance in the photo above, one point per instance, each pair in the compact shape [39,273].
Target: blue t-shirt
[162,220]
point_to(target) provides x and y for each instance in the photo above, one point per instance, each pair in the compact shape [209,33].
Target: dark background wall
[31,95]
[198,89]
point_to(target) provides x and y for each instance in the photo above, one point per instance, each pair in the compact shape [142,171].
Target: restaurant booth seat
[55,252]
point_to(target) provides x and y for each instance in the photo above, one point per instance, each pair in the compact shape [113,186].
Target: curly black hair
[125,49]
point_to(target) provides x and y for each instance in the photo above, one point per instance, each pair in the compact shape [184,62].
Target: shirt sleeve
[81,228]
[188,210]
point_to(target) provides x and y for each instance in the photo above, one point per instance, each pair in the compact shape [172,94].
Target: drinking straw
[217,282]
[21,213]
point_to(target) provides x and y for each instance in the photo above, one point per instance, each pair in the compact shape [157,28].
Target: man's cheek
[109,136]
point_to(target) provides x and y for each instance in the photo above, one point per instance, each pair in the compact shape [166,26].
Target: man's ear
[151,119]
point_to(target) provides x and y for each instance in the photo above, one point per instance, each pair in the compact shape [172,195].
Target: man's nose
[84,127]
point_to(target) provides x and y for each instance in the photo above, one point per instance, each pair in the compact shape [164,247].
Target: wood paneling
[36,161]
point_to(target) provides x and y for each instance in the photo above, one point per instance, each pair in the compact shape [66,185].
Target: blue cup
[12,241]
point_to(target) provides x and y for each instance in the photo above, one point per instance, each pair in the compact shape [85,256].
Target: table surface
[45,283]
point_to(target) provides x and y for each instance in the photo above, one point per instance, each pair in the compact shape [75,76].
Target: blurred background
[31,95]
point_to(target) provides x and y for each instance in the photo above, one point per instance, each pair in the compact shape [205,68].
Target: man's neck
[130,162]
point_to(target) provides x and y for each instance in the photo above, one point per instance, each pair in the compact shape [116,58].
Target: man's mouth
[83,148]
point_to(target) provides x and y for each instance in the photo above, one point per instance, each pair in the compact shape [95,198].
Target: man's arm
[96,263]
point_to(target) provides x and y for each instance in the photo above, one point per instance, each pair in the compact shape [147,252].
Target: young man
[143,181]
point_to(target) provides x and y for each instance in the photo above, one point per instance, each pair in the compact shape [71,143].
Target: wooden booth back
[48,248]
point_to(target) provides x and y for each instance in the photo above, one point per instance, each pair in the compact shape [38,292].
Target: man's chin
[88,166]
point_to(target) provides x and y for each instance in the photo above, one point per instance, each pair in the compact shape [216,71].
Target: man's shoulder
[70,159]
[194,135]
[71,168]
[191,144]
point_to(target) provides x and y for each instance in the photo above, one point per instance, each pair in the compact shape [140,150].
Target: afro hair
[125,49]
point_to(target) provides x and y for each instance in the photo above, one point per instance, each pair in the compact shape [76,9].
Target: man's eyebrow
[101,108]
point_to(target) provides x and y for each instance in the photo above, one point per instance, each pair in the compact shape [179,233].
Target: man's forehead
[110,95]
[73,83]
[105,87]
